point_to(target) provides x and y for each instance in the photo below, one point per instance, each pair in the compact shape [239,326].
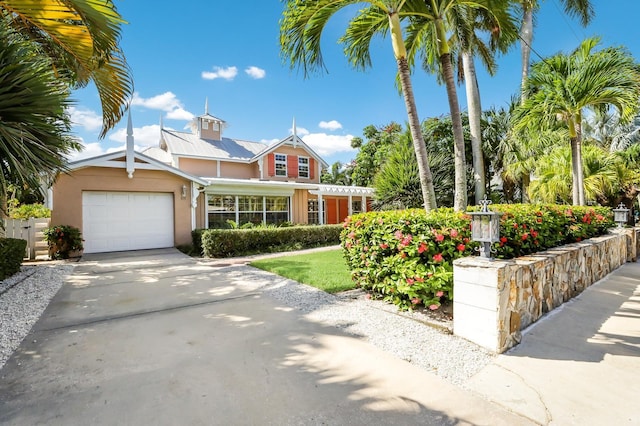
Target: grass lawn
[325,270]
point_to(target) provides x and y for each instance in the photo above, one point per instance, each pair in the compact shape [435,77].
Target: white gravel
[404,335]
[23,298]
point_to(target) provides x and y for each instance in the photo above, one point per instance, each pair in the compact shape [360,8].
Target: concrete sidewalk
[579,365]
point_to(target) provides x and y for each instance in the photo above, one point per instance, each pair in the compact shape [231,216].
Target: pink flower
[422,248]
[420,279]
[439,238]
[398,235]
[367,296]
[416,301]
[440,293]
[410,281]
[384,246]
[461,247]
[454,233]
[351,235]
[433,307]
[407,240]
[438,257]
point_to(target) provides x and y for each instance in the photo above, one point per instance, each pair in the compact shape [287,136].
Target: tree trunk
[426,179]
[475,113]
[460,182]
[526,38]
[576,170]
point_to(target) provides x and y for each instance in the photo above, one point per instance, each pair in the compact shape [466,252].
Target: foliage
[325,270]
[26,211]
[12,252]
[81,40]
[34,125]
[374,152]
[236,242]
[406,256]
[63,240]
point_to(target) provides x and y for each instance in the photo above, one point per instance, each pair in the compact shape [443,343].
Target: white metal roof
[188,144]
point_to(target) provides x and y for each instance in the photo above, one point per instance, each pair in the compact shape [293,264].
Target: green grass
[326,270]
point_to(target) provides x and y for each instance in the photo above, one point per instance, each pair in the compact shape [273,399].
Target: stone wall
[494,300]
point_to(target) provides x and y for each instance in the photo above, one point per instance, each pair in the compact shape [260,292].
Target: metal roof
[188,144]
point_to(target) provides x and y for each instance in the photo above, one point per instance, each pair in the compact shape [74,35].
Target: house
[131,200]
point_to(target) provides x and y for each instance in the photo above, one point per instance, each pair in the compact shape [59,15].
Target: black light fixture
[485,228]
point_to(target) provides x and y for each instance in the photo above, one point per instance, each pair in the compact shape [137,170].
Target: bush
[11,254]
[236,242]
[406,256]
[196,239]
[63,240]
[26,211]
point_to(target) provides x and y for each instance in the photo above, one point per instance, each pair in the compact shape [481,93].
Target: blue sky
[229,53]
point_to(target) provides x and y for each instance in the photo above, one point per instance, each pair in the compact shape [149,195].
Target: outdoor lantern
[184,192]
[485,227]
[621,215]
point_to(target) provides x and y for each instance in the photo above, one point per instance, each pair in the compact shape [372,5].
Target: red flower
[384,246]
[503,239]
[454,233]
[420,279]
[403,255]
[534,233]
[465,240]
[539,220]
[515,226]
[439,238]
[525,236]
[422,248]
[461,247]
[410,281]
[438,257]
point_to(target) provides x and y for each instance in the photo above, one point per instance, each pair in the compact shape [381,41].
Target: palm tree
[81,37]
[428,37]
[582,9]
[468,23]
[300,32]
[561,87]
[34,127]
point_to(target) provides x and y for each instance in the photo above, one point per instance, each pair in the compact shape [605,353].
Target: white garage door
[117,221]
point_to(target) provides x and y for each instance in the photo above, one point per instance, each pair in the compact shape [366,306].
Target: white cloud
[142,136]
[164,102]
[269,141]
[89,150]
[180,114]
[326,145]
[330,125]
[300,131]
[85,118]
[228,73]
[255,72]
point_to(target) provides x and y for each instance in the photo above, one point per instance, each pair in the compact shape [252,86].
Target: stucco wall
[197,167]
[239,170]
[67,194]
[289,150]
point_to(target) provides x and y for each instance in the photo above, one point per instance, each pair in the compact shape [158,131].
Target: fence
[31,231]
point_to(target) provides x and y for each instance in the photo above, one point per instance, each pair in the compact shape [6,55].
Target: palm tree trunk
[526,38]
[475,112]
[460,164]
[579,169]
[576,169]
[426,178]
[400,52]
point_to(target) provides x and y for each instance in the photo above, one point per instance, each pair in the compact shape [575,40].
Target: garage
[118,221]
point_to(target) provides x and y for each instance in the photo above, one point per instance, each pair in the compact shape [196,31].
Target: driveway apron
[156,337]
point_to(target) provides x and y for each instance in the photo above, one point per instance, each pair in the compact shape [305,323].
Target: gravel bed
[405,335]
[23,298]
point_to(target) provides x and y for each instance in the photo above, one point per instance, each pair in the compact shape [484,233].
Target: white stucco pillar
[350,207]
[364,204]
[320,210]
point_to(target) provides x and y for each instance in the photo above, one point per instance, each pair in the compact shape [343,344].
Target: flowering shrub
[26,211]
[406,256]
[63,240]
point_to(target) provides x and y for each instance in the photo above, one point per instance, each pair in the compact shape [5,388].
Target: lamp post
[485,228]
[620,215]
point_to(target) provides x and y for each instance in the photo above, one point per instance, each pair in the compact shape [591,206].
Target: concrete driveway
[156,337]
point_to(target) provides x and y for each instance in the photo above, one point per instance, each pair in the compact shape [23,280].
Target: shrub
[63,240]
[196,239]
[26,211]
[235,242]
[406,256]
[11,254]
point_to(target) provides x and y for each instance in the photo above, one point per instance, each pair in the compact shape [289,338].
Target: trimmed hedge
[12,252]
[406,257]
[237,242]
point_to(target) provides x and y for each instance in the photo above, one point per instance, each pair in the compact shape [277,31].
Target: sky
[228,54]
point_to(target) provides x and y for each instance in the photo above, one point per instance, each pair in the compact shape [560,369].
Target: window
[313,214]
[220,209]
[205,124]
[356,206]
[281,164]
[216,126]
[303,167]
[243,209]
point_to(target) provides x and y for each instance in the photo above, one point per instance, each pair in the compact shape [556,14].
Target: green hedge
[12,252]
[237,242]
[406,256]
